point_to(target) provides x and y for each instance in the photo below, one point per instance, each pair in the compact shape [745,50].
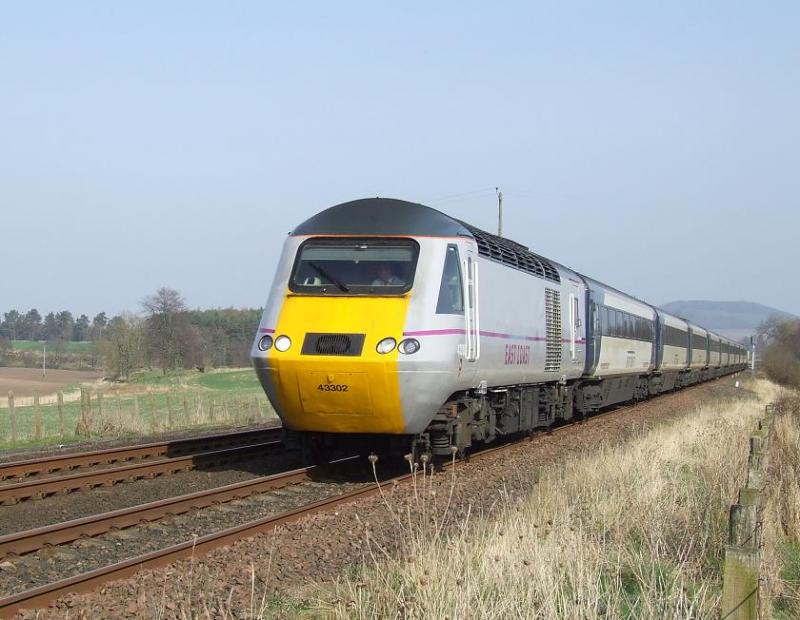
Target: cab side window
[451,299]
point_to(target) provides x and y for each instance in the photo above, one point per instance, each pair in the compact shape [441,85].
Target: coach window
[451,299]
[611,322]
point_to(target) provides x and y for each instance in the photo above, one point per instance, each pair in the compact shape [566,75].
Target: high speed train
[391,326]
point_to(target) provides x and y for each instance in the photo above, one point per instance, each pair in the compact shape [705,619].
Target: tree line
[54,326]
[165,335]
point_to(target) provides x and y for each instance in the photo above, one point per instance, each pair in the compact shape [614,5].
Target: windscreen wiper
[325,274]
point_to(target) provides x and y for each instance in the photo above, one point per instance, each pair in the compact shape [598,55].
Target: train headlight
[282,343]
[409,346]
[265,343]
[386,345]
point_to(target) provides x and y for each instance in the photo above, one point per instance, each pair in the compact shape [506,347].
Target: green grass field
[218,380]
[68,347]
[150,404]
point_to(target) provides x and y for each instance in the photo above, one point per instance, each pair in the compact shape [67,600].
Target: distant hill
[734,319]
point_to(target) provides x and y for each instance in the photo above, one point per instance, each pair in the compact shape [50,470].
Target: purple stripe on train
[488,334]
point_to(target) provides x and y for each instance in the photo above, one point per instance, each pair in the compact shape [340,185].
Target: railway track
[38,489]
[25,542]
[177,447]
[42,487]
[61,533]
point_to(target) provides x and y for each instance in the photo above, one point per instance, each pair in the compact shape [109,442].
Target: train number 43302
[332,387]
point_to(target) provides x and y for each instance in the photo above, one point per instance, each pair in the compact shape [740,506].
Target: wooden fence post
[100,415]
[12,414]
[79,424]
[740,581]
[119,408]
[37,418]
[153,418]
[185,410]
[60,397]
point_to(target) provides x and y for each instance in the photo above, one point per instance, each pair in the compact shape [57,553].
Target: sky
[653,146]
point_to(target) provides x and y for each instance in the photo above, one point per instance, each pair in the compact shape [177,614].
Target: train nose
[335,382]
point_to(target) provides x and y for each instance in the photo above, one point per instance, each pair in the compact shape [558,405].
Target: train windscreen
[355,266]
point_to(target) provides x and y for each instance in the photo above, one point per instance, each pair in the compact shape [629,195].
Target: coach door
[472,315]
[574,324]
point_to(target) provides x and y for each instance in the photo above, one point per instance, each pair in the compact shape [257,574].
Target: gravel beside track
[322,546]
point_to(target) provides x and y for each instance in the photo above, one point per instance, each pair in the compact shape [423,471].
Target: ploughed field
[29,381]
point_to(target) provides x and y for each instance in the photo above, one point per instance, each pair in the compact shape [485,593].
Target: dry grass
[781,536]
[633,531]
[170,411]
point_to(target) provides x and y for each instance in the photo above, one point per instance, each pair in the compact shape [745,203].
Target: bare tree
[123,346]
[167,328]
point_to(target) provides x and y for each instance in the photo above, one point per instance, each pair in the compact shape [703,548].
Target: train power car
[393,326]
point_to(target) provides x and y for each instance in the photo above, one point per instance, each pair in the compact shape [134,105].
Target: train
[392,327]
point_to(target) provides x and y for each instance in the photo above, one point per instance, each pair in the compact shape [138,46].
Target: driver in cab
[386,277]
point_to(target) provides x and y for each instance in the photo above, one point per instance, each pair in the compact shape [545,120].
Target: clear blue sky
[176,143]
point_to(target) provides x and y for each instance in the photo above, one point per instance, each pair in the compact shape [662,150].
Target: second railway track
[11,470]
[60,533]
[41,487]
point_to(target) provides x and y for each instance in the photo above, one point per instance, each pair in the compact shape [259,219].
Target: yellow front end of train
[336,324]
[338,393]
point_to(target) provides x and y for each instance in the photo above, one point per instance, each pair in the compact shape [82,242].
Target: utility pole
[44,360]
[752,356]
[499,212]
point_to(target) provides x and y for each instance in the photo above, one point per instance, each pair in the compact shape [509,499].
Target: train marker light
[409,346]
[265,343]
[282,343]
[386,345]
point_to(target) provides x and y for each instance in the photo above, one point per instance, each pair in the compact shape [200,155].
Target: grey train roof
[382,216]
[388,216]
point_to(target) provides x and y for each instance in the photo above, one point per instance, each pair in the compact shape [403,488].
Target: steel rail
[39,488]
[175,447]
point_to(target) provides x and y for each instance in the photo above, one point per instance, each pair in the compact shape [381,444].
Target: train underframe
[483,416]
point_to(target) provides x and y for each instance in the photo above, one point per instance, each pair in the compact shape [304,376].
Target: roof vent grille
[512,254]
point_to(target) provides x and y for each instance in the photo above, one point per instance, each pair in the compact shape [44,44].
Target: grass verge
[632,531]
